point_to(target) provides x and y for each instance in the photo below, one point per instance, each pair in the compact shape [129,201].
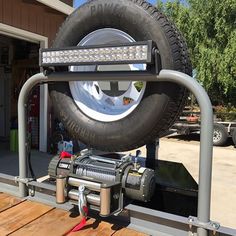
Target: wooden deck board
[54,223]
[7,201]
[95,228]
[17,216]
[36,219]
[128,232]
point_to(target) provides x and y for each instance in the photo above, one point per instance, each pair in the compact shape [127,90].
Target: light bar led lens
[137,53]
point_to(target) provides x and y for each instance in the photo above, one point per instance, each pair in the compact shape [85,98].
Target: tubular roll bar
[206,143]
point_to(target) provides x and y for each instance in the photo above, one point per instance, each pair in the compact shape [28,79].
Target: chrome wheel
[107,101]
[217,136]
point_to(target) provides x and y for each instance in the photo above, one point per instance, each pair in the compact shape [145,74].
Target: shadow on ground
[9,161]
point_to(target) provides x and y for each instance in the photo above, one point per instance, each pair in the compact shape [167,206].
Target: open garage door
[18,61]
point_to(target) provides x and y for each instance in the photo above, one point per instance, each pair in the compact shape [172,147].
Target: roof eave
[58,5]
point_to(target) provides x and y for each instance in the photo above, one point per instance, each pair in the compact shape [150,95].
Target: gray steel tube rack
[205,165]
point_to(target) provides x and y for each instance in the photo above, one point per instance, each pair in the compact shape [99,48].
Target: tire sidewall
[139,24]
[224,135]
[125,15]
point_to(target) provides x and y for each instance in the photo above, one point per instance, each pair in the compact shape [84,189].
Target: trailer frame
[151,221]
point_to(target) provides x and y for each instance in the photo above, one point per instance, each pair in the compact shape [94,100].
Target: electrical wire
[31,170]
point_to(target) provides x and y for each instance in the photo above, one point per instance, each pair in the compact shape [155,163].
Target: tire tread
[181,63]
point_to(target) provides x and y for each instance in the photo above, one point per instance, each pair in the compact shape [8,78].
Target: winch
[101,181]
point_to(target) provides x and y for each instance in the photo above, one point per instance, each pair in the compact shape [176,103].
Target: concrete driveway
[223,207]
[9,162]
[175,149]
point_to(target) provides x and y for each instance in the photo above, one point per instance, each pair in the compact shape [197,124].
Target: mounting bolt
[190,220]
[31,192]
[215,226]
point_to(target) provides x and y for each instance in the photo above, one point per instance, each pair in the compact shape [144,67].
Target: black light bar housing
[112,54]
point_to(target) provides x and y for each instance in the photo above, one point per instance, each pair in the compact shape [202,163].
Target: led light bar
[130,53]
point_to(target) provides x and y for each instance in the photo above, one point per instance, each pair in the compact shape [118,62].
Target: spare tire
[220,135]
[87,109]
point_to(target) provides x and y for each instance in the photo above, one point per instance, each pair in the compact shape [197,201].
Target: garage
[19,60]
[26,26]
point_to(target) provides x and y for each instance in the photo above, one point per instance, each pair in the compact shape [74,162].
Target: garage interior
[18,61]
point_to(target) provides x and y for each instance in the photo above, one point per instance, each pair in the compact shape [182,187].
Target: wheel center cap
[113,88]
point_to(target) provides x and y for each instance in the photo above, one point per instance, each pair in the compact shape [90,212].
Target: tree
[209,28]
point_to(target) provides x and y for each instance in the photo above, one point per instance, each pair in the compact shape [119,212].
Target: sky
[79,2]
